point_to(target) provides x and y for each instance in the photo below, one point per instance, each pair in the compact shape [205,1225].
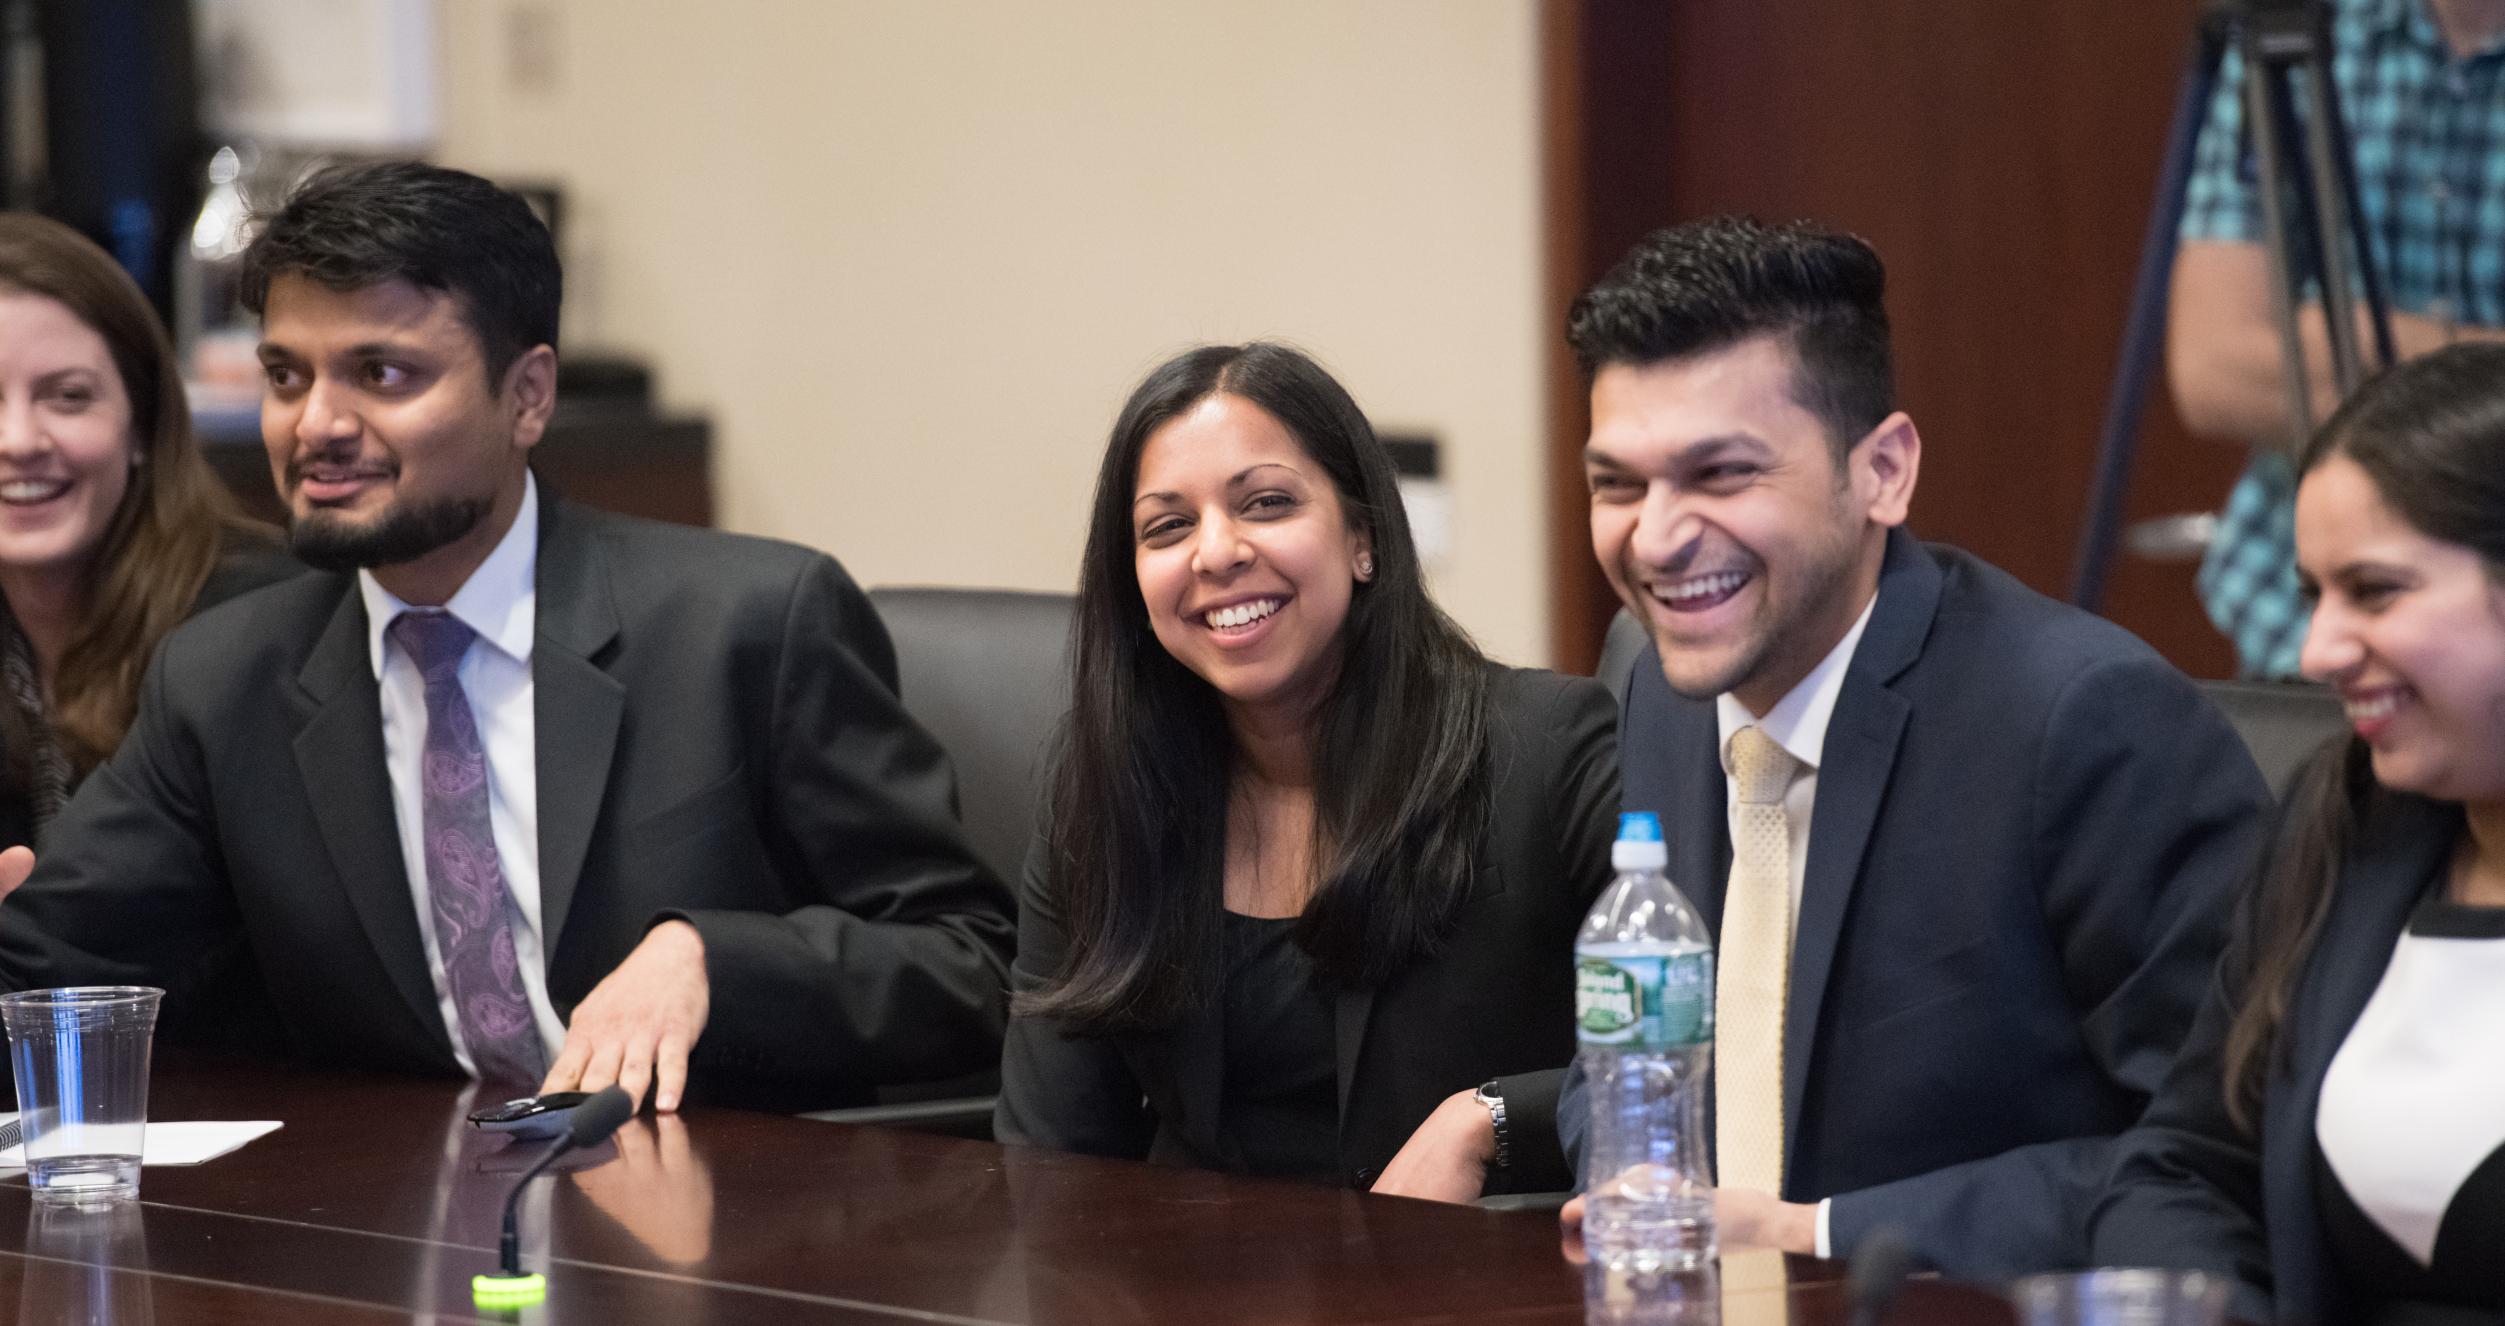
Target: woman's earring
[1365,566]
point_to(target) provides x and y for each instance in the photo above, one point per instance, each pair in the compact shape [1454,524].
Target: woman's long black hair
[2430,435]
[1140,786]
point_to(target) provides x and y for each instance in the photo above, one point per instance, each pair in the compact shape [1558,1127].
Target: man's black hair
[355,226]
[1708,285]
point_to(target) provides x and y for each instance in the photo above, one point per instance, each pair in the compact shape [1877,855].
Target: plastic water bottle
[1644,984]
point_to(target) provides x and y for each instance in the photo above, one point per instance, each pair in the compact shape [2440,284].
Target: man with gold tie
[1967,851]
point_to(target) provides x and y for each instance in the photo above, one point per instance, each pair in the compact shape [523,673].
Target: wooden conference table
[376,1204]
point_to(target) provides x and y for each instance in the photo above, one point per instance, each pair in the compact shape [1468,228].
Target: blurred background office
[876,275]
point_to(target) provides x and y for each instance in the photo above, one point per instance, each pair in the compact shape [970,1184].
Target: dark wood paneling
[2000,156]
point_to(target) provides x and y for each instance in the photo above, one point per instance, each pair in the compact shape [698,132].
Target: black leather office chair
[2282,723]
[1617,653]
[986,671]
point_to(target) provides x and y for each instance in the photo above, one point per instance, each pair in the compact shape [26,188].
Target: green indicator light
[508,1291]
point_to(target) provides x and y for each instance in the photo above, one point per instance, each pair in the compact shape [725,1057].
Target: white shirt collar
[1798,721]
[499,600]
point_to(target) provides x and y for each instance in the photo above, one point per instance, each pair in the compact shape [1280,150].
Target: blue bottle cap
[1639,826]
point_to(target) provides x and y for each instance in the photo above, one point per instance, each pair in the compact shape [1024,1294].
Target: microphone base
[508,1291]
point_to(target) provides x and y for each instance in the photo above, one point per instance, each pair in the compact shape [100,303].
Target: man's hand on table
[637,1026]
[1743,1218]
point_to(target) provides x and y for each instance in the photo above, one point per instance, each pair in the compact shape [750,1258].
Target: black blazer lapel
[2385,877]
[576,705]
[339,754]
[1188,1059]
[1350,1010]
[1853,771]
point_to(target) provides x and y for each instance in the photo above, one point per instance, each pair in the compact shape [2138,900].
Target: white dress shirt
[1797,723]
[500,602]
[2414,1102]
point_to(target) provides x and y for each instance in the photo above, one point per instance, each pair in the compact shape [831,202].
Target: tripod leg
[2332,228]
[2335,177]
[2264,118]
[2143,334]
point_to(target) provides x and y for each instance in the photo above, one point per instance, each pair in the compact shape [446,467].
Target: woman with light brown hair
[112,527]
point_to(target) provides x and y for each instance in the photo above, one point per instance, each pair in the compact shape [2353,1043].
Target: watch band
[1488,1096]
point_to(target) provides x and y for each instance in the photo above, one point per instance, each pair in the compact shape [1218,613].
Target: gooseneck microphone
[1877,1273]
[589,1125]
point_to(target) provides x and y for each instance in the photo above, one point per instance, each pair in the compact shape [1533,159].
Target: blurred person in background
[2421,85]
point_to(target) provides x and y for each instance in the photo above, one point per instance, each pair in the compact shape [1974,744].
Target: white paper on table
[173,1143]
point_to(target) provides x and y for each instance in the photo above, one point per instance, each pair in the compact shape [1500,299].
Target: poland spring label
[1646,1001]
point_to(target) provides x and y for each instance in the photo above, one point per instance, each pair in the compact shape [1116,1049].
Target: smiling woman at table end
[2333,1134]
[1306,899]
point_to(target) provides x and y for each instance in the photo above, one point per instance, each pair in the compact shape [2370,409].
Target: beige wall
[911,256]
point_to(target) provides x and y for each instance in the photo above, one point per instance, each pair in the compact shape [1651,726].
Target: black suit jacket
[2028,829]
[2192,1190]
[719,739]
[1497,1002]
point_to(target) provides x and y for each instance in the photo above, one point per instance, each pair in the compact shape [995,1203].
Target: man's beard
[402,534]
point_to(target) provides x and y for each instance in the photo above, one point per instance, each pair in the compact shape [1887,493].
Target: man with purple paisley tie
[506,785]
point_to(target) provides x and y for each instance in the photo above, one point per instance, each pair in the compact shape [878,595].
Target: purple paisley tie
[464,879]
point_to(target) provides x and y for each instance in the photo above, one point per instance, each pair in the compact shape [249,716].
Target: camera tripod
[2307,182]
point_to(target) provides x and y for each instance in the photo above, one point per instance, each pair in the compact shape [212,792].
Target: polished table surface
[377,1203]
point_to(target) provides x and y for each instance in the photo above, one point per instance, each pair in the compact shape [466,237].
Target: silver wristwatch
[1487,1096]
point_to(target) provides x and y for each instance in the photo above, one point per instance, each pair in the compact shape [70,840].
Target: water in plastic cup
[2121,1298]
[81,1059]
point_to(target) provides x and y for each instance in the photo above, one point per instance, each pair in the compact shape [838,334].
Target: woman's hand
[1446,1160]
[15,865]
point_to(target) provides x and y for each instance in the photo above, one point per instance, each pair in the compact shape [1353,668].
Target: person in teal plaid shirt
[2422,86]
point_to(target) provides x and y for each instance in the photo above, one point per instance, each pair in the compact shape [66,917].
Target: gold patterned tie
[1753,969]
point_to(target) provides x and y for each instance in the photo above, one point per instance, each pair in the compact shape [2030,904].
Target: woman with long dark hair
[2333,1135]
[1306,900]
[112,527]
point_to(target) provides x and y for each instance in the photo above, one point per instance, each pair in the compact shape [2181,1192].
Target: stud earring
[1365,566]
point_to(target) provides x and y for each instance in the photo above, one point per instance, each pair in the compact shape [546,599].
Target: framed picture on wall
[329,75]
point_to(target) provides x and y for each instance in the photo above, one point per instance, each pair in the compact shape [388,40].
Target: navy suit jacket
[2027,834]
[2192,1190]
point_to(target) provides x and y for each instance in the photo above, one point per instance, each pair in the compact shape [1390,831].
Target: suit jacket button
[1365,1177]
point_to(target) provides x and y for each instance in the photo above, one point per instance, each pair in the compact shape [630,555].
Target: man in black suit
[510,786]
[1985,842]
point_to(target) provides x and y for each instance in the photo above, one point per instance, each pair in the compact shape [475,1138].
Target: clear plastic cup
[2121,1297]
[81,1059]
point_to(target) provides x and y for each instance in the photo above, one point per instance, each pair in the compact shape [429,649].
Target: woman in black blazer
[2333,1134]
[112,527]
[1307,897]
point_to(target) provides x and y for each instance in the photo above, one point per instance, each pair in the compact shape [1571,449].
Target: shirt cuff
[1826,1236]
